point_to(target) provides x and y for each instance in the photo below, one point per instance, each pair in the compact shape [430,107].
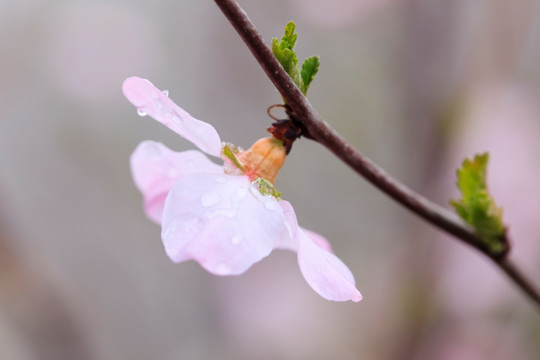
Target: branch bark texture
[321,132]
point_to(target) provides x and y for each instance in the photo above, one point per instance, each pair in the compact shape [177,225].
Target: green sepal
[229,151]
[266,188]
[476,206]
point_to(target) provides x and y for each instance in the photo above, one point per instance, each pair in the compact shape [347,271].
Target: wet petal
[325,272]
[318,239]
[288,238]
[155,169]
[221,222]
[151,101]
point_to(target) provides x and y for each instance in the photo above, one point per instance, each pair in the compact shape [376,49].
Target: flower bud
[263,159]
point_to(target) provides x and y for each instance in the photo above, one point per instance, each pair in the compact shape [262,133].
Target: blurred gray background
[416,85]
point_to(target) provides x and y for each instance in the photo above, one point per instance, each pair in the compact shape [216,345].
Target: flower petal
[220,221]
[289,236]
[150,100]
[325,272]
[318,239]
[156,168]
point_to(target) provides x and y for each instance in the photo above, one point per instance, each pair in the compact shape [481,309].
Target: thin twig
[519,278]
[321,132]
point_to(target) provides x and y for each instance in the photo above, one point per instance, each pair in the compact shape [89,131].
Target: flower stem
[321,132]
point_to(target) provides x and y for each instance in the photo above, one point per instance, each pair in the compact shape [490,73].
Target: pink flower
[221,219]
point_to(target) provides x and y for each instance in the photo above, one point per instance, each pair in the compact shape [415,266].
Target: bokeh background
[416,85]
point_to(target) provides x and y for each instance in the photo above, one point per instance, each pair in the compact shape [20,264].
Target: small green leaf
[289,39]
[284,51]
[476,205]
[309,70]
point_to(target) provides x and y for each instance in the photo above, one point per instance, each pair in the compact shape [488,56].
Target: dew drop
[241,193]
[192,225]
[141,112]
[169,230]
[236,239]
[289,230]
[223,269]
[221,179]
[270,203]
[172,172]
[174,118]
[152,151]
[231,169]
[165,92]
[198,128]
[211,198]
[255,190]
[159,105]
[212,213]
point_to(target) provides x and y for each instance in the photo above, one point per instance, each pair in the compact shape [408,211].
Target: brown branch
[321,132]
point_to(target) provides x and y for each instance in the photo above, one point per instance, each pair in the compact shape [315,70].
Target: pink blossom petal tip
[322,270]
[151,101]
[325,272]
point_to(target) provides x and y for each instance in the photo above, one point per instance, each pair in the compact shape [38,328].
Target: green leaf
[289,39]
[477,207]
[284,51]
[309,70]
[229,151]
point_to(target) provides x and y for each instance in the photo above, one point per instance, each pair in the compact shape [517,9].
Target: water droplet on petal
[231,169]
[152,151]
[170,230]
[174,118]
[236,239]
[141,112]
[193,225]
[159,105]
[223,269]
[221,179]
[172,172]
[270,203]
[211,198]
[197,128]
[211,213]
[255,190]
[165,92]
[189,225]
[289,230]
[241,193]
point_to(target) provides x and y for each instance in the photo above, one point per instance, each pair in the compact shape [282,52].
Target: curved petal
[288,237]
[318,239]
[150,100]
[325,272]
[221,222]
[155,169]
